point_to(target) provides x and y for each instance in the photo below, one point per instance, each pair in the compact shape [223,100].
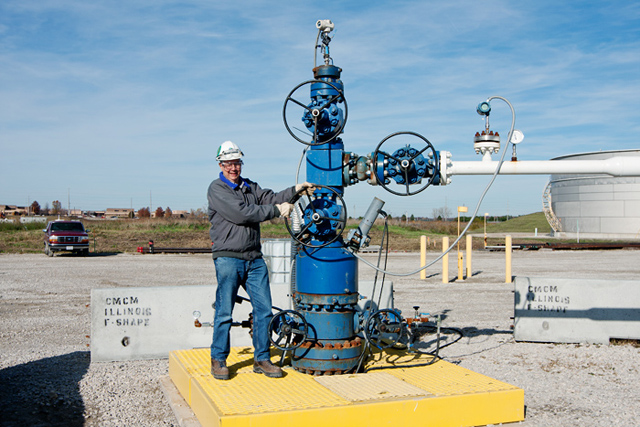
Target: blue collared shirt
[232,184]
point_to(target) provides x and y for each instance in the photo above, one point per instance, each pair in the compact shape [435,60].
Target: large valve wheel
[323,214]
[384,328]
[407,165]
[328,111]
[290,330]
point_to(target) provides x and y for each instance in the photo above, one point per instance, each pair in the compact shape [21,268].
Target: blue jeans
[231,273]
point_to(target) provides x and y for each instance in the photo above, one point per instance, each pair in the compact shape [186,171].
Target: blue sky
[113,103]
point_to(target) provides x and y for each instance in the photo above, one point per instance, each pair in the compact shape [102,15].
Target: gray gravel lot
[47,379]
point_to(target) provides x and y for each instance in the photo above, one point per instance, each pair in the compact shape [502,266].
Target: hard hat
[228,151]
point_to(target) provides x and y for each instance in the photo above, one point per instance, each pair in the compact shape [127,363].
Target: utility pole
[446,211]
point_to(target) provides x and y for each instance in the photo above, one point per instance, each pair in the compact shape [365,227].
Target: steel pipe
[614,166]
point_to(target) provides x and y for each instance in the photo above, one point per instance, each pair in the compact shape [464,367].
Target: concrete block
[377,297]
[149,322]
[576,310]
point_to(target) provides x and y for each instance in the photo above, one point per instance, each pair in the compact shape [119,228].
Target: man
[237,206]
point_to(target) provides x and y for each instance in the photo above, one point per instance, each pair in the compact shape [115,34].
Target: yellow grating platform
[398,389]
[373,386]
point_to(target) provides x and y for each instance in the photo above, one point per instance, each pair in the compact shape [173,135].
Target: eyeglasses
[229,165]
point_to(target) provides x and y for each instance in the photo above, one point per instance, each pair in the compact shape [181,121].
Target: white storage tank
[597,206]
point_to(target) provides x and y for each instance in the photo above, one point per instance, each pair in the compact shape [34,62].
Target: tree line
[57,209]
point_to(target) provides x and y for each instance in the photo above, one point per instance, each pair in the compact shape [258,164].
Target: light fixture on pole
[485,230]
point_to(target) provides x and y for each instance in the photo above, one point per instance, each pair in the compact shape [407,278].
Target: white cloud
[139,94]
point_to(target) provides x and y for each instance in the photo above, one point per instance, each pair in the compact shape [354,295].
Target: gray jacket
[235,213]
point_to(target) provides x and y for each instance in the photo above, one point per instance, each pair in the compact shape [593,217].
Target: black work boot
[219,369]
[267,368]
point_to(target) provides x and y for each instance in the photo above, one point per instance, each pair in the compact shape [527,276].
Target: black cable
[385,234]
[435,353]
[438,348]
[385,238]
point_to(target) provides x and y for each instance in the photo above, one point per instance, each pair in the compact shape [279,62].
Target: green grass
[127,234]
[521,224]
[178,227]
[17,226]
[273,229]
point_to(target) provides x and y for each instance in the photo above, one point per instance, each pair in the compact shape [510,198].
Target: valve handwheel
[324,213]
[408,165]
[290,329]
[384,328]
[316,113]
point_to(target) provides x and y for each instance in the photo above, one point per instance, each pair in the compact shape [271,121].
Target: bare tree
[168,212]
[198,213]
[144,213]
[159,212]
[442,213]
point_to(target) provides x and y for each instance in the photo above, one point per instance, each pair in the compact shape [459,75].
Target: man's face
[231,170]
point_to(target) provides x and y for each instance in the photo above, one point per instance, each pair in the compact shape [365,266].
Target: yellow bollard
[469,248]
[507,251]
[460,266]
[423,256]
[445,260]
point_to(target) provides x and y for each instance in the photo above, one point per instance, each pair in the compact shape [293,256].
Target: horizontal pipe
[614,166]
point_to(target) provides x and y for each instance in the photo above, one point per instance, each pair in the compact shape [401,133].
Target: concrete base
[182,411]
[398,389]
[149,322]
[549,309]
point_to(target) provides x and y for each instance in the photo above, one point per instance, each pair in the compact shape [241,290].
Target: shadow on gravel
[472,331]
[90,255]
[44,392]
[100,254]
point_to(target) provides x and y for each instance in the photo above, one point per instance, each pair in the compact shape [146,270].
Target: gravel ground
[46,377]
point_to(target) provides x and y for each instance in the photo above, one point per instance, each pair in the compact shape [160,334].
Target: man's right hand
[285,209]
[308,188]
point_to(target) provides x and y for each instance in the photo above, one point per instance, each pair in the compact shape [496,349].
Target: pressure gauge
[196,314]
[517,136]
[483,108]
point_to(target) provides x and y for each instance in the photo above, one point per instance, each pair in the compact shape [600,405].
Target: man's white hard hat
[228,151]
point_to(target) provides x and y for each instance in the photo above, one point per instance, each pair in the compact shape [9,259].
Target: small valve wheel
[384,328]
[323,118]
[324,215]
[407,165]
[290,330]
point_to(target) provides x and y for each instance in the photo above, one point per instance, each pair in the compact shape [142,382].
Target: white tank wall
[597,206]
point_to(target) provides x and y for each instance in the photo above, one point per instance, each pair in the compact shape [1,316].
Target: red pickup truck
[66,236]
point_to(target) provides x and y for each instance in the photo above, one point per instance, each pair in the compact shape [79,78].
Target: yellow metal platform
[398,389]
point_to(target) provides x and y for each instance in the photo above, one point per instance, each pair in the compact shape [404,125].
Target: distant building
[13,210]
[119,213]
[179,214]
